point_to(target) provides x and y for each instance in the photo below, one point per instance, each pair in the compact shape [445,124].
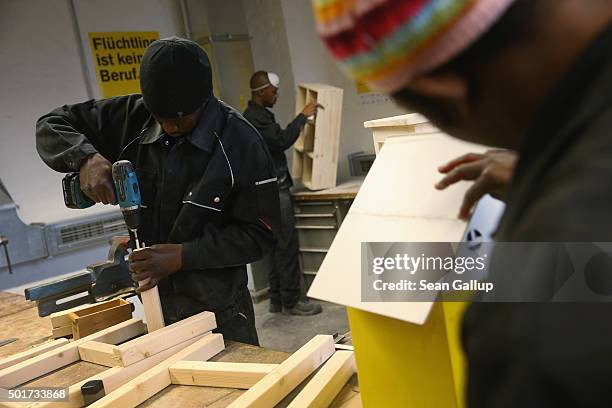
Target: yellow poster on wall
[116,60]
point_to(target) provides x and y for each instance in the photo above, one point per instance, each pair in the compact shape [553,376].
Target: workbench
[318,216]
[343,191]
[19,318]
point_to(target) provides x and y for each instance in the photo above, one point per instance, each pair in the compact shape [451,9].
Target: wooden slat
[327,382]
[51,360]
[327,138]
[282,380]
[157,378]
[35,351]
[219,374]
[115,377]
[146,346]
[152,309]
[154,315]
[99,353]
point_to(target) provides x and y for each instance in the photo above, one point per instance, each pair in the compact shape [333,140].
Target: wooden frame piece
[327,383]
[115,377]
[146,346]
[152,309]
[61,356]
[219,374]
[33,352]
[149,383]
[99,353]
[99,316]
[289,374]
[154,315]
[185,364]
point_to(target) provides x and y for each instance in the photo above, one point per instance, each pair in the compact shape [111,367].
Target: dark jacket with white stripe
[277,139]
[213,190]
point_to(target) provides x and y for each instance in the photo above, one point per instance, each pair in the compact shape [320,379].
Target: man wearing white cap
[285,273]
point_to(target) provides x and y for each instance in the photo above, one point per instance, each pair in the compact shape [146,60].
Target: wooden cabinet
[315,153]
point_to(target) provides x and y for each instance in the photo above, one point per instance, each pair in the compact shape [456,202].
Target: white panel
[397,203]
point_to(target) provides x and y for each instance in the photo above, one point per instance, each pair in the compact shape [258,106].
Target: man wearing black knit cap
[208,185]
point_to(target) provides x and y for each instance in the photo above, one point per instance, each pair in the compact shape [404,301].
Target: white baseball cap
[273,80]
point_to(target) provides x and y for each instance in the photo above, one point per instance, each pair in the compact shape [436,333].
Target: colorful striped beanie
[386,43]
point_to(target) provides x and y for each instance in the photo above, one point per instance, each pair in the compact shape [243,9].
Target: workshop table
[343,191]
[19,318]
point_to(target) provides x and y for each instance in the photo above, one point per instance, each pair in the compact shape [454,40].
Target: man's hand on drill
[96,179]
[155,263]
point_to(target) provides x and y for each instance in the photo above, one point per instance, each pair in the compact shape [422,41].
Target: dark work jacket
[552,354]
[277,139]
[213,190]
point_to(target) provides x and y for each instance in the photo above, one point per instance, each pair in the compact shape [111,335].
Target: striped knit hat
[385,43]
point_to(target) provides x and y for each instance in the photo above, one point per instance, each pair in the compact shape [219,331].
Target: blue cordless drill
[128,196]
[127,192]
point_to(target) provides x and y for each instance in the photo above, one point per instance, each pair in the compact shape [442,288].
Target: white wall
[271,51]
[133,15]
[41,69]
[311,62]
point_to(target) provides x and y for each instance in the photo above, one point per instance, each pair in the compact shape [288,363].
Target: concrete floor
[288,333]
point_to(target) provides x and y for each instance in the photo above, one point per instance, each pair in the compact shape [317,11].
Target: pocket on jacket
[210,198]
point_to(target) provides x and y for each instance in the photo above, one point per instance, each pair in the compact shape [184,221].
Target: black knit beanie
[175,77]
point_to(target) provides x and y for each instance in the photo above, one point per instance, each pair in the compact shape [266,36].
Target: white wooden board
[396,203]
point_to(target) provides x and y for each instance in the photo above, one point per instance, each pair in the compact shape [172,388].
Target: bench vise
[99,282]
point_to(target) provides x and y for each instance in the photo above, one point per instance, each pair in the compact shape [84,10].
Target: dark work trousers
[241,326]
[285,272]
[236,323]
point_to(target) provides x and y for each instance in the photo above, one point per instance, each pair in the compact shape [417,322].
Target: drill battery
[73,195]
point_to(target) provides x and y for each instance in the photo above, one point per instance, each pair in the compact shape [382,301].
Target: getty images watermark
[486,272]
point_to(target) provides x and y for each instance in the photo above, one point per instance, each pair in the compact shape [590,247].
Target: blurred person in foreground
[530,76]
